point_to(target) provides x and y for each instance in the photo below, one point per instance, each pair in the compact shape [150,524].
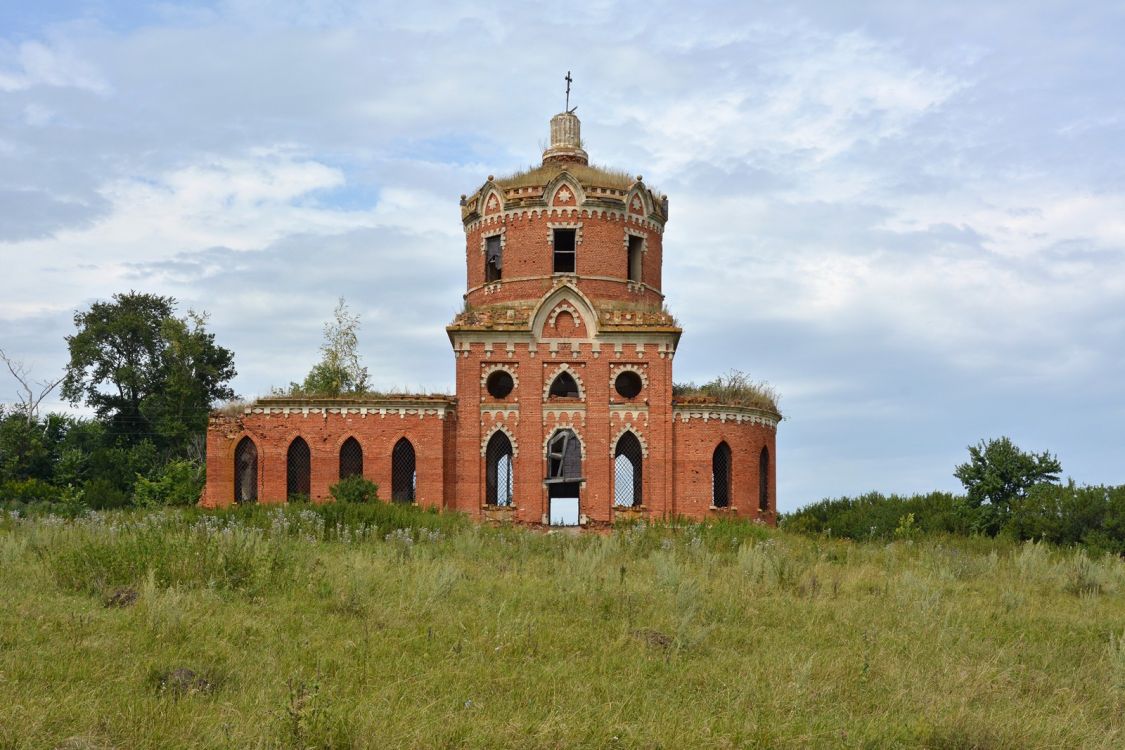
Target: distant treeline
[1064,514]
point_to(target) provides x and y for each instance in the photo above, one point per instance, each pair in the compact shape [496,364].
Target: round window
[500,384]
[628,384]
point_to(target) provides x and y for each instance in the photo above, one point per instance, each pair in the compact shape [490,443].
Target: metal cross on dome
[568,80]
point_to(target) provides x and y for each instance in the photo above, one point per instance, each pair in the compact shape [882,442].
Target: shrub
[878,516]
[179,482]
[354,489]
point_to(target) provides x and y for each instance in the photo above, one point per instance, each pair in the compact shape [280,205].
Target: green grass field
[384,627]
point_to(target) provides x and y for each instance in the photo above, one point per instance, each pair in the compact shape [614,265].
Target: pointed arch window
[627,471]
[351,459]
[498,470]
[298,469]
[404,475]
[720,476]
[246,472]
[764,480]
[564,457]
[564,386]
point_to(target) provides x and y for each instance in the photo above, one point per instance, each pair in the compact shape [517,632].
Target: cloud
[909,220]
[32,64]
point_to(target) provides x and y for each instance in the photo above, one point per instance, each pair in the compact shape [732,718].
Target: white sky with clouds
[910,218]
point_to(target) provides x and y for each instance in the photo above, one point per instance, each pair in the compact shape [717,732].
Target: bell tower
[564,348]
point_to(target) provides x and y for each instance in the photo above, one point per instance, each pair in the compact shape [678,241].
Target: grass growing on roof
[385,626]
[735,388]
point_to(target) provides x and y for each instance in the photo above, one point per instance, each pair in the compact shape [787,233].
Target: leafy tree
[339,370]
[147,373]
[997,473]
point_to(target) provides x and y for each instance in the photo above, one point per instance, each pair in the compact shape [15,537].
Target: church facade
[564,409]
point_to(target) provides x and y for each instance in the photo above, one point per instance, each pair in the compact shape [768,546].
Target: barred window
[720,476]
[498,470]
[404,476]
[764,480]
[351,459]
[627,474]
[298,469]
[246,472]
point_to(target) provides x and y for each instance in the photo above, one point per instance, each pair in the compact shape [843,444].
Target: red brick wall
[528,257]
[325,433]
[695,443]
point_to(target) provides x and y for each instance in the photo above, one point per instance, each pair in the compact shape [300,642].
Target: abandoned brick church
[564,411]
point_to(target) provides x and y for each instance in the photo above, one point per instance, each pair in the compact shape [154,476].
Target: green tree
[339,370]
[147,373]
[998,473]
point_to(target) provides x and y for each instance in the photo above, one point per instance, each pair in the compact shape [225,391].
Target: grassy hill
[379,626]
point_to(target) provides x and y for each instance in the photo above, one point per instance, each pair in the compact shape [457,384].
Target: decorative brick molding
[724,413]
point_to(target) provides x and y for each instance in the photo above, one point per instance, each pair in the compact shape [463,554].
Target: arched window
[298,469]
[720,476]
[564,457]
[246,472]
[627,471]
[498,470]
[764,480]
[351,459]
[404,476]
[564,386]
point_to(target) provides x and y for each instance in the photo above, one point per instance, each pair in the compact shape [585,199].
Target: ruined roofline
[374,400]
[688,403]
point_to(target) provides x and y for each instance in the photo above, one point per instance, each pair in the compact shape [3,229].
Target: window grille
[564,457]
[246,472]
[627,474]
[351,459]
[298,465]
[764,480]
[564,386]
[498,470]
[564,243]
[404,476]
[720,476]
[500,384]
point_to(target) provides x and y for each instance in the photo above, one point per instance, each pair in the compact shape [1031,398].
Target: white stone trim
[641,368]
[512,368]
[583,213]
[363,411]
[724,413]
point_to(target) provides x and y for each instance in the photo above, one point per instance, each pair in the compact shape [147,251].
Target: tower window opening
[564,386]
[764,480]
[636,249]
[500,384]
[564,242]
[498,471]
[720,476]
[628,384]
[493,259]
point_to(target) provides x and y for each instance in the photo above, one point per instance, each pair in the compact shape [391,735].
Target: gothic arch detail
[549,381]
[636,433]
[504,429]
[575,299]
